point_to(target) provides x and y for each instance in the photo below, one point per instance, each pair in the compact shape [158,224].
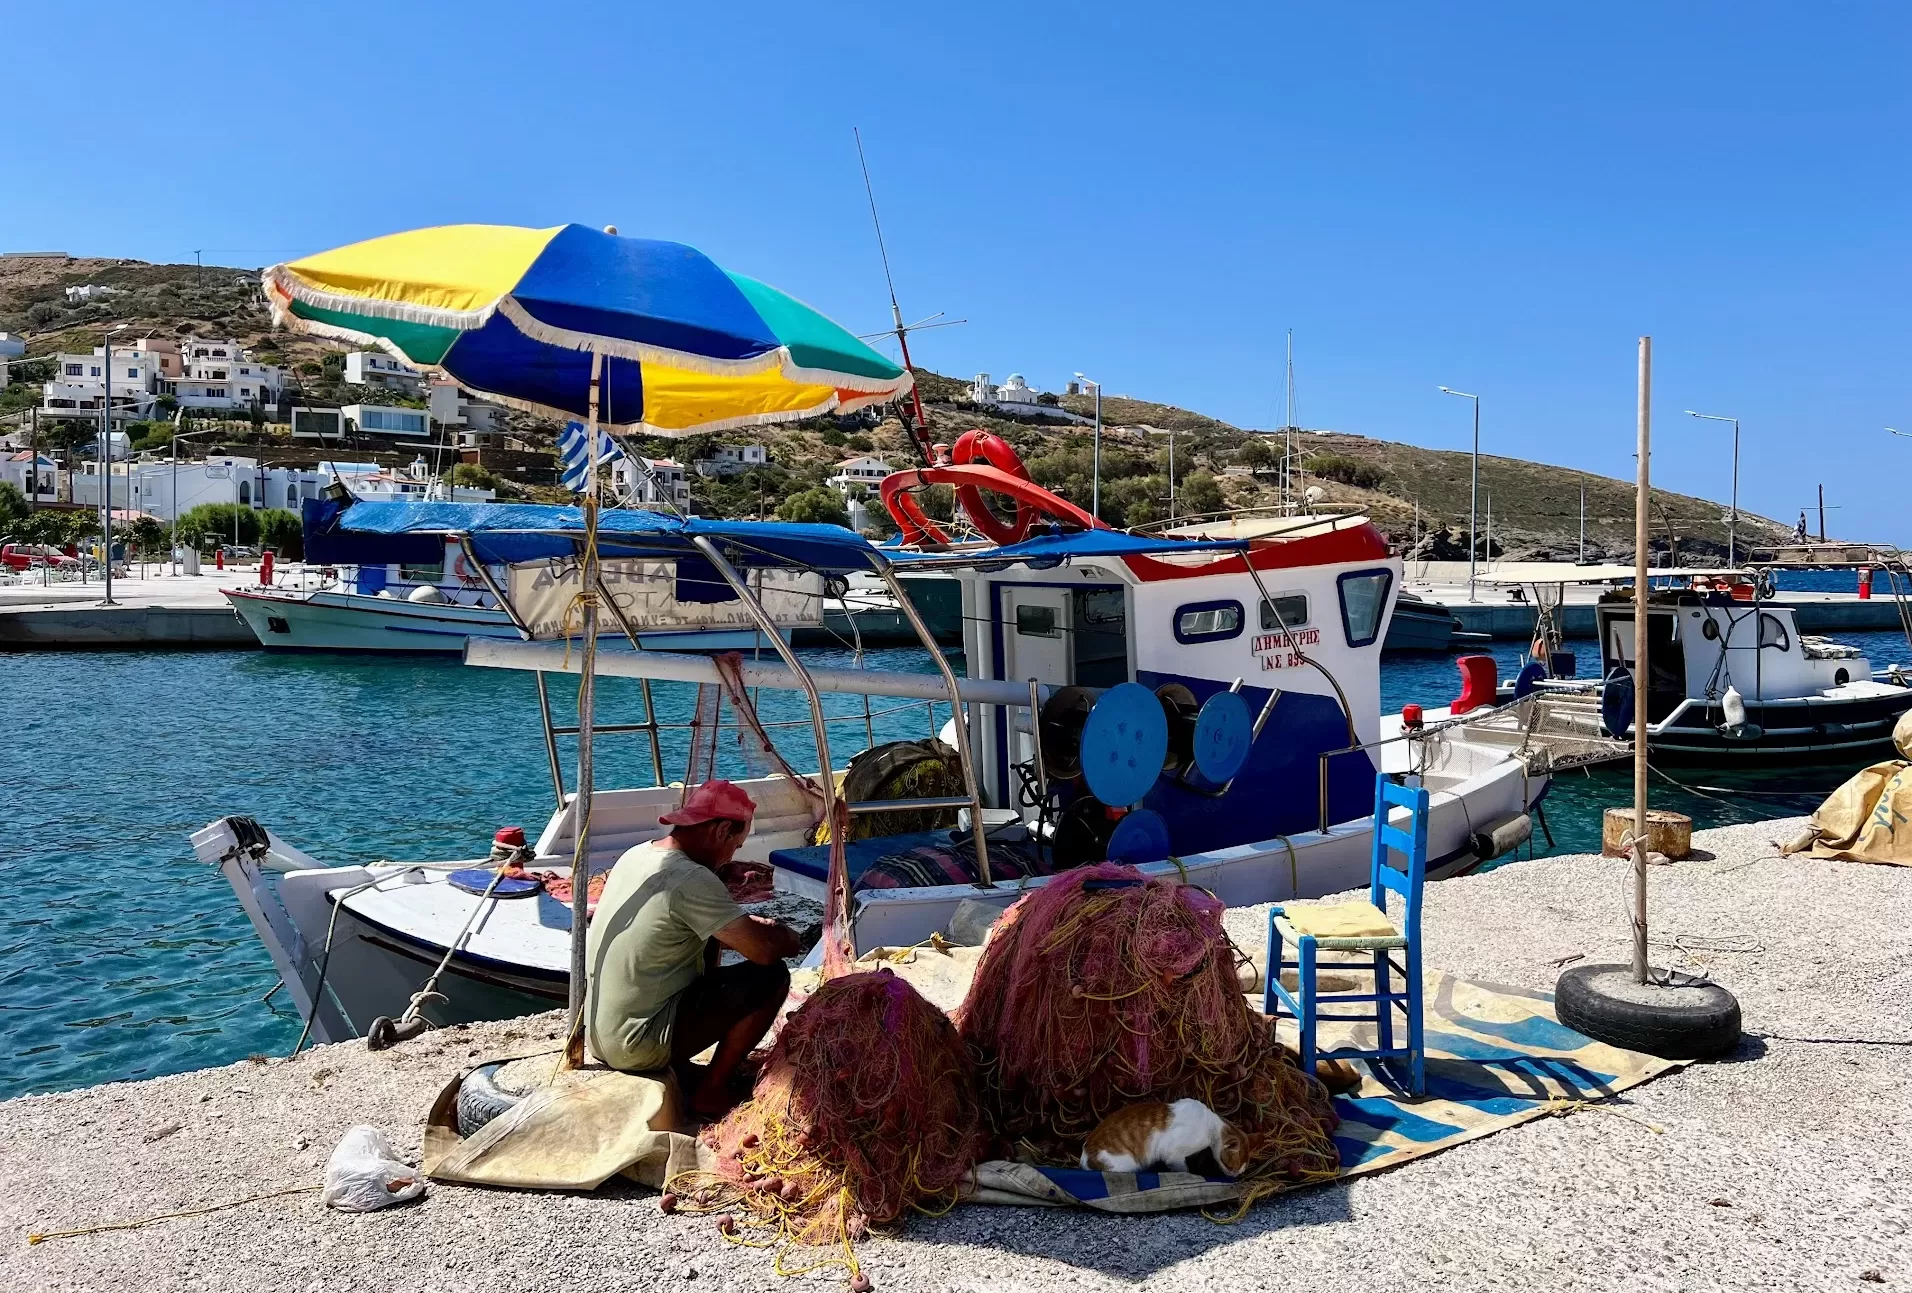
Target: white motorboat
[1198,706]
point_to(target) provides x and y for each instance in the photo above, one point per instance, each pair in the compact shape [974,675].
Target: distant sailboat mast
[1289,430]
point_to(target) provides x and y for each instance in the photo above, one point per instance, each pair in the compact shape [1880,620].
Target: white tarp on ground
[545,595]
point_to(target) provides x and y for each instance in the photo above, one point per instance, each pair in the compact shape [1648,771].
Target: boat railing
[1334,515]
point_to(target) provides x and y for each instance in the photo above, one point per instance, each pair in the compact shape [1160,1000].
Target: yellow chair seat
[1334,921]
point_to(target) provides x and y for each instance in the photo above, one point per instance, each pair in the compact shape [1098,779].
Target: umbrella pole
[1641,687]
[581,806]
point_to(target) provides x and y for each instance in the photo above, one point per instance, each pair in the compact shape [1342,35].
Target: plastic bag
[365,1174]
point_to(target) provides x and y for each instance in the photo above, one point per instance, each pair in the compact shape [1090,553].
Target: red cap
[710,801]
[1411,716]
[512,835]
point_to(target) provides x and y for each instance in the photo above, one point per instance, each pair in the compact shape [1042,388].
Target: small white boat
[1255,657]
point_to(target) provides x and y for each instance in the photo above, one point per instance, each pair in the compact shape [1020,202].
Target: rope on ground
[1560,1107]
[42,1236]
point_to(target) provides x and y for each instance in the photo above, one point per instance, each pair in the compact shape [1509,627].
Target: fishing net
[865,1109]
[1102,990]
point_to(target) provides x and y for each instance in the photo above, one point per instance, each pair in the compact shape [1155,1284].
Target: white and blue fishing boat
[1201,706]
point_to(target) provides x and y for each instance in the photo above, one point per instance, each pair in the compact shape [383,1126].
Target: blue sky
[1498,197]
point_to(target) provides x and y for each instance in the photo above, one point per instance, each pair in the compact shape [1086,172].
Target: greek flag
[574,455]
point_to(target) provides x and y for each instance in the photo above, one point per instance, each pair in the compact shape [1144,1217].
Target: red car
[31,556]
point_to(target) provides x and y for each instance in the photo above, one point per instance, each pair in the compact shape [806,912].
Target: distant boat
[1421,625]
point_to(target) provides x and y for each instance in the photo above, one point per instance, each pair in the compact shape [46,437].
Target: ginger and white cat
[1163,1137]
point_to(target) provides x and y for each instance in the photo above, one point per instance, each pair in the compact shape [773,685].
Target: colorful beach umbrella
[515,314]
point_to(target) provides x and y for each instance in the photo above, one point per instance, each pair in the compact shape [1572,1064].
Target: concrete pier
[155,611]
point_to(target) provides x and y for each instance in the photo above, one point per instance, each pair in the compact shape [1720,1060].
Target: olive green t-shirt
[645,946]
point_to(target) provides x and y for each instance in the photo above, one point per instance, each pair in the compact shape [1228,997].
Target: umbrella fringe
[289,285]
[831,405]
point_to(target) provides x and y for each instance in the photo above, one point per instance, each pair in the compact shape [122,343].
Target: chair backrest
[1411,844]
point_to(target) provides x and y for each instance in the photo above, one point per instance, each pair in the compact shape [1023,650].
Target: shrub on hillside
[1345,470]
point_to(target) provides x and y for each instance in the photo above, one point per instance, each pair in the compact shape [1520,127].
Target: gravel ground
[1781,1167]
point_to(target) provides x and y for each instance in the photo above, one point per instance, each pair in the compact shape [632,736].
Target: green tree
[472,476]
[13,506]
[1199,495]
[147,535]
[859,443]
[1346,470]
[819,505]
[833,437]
[1256,454]
[211,524]
[282,531]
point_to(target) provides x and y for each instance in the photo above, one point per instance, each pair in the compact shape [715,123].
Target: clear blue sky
[1499,197]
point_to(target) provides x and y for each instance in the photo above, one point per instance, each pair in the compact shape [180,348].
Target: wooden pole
[1641,687]
[581,806]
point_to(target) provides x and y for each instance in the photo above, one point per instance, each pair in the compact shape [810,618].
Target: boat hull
[1419,626]
[339,621]
[1812,731]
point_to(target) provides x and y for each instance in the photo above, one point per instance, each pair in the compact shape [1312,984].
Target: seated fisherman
[657,995]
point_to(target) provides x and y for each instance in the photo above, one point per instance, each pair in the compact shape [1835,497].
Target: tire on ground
[482,1097]
[1696,1031]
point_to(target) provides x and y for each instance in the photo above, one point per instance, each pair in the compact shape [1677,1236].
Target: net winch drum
[1140,837]
[1212,738]
[1124,744]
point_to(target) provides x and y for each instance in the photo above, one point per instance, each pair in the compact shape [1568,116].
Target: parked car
[32,556]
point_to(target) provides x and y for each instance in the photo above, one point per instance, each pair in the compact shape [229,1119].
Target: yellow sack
[1868,819]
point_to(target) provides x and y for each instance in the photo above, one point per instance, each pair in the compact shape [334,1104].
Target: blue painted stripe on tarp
[1356,1152]
[1077,1181]
[1147,1180]
[1387,1115]
[1535,1033]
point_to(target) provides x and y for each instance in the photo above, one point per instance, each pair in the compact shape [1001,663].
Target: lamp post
[106,459]
[1473,495]
[1095,470]
[1732,522]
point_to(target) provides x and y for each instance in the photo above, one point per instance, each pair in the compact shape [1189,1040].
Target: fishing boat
[1731,679]
[1205,705]
[428,598]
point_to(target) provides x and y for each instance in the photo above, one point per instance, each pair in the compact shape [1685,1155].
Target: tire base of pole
[1673,1016]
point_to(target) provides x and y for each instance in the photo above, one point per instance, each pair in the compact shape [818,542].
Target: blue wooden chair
[1366,938]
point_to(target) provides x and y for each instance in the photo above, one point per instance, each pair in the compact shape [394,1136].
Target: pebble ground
[1781,1167]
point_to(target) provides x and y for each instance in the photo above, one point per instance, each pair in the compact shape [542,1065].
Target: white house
[666,483]
[226,377]
[451,405]
[241,480]
[88,292]
[865,472]
[732,459]
[79,380]
[388,420]
[33,474]
[374,368]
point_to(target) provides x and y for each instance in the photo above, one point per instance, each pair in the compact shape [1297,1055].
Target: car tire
[481,1098]
[1697,1019]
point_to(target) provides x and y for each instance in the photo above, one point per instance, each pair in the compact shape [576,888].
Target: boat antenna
[919,429]
[1288,428]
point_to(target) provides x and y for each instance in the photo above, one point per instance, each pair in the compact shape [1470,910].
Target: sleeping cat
[1163,1137]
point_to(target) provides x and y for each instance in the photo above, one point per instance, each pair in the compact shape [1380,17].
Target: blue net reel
[1124,743]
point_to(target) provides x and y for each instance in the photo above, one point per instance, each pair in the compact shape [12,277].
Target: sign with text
[1282,650]
[545,593]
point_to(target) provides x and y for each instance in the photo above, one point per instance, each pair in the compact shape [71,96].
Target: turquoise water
[122,956]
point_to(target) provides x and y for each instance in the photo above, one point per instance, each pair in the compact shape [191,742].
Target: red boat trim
[1337,547]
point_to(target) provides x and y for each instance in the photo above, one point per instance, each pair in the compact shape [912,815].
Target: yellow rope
[42,1236]
[1560,1107]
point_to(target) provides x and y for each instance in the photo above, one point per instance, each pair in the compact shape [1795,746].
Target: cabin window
[1207,622]
[1037,622]
[1364,598]
[1772,632]
[1284,610]
[422,574]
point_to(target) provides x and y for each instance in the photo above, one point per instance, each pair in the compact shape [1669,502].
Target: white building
[478,421]
[374,368]
[388,420]
[241,480]
[221,376]
[666,482]
[1015,392]
[865,473]
[733,459]
[982,390]
[88,292]
[78,383]
[34,475]
[11,348]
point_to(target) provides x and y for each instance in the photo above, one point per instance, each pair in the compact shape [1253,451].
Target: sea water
[123,956]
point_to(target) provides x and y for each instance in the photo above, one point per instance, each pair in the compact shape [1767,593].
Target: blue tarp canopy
[371,533]
[505,533]
[1055,547]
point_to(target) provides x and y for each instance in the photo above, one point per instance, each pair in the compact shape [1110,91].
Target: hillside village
[264,419]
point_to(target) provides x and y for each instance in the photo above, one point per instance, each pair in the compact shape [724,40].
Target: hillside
[1535,506]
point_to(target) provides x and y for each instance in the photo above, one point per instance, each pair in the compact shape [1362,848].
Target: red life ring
[979,445]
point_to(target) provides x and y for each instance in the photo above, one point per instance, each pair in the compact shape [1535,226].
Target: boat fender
[1733,705]
[1502,837]
[425,593]
[1616,702]
[1529,677]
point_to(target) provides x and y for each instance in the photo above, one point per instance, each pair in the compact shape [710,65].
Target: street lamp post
[178,435]
[1473,496]
[1095,470]
[1732,521]
[106,460]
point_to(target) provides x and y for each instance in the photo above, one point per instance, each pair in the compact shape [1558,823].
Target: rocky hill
[1535,507]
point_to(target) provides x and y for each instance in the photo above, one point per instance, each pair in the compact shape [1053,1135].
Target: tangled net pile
[866,1108]
[1103,989]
